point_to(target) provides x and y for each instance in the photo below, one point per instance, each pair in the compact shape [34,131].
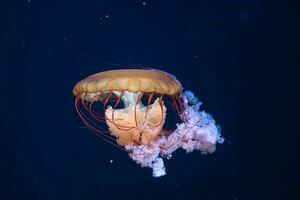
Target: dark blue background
[226,52]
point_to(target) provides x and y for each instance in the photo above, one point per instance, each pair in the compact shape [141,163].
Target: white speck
[196,56]
[29,1]
[111,161]
[106,16]
[101,18]
[144,3]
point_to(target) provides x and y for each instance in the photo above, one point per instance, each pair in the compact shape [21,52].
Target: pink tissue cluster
[198,132]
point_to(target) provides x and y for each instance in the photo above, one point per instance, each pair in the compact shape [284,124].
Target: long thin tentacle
[178,99]
[148,104]
[137,102]
[94,130]
[87,118]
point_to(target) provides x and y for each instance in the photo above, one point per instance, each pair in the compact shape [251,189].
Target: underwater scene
[139,99]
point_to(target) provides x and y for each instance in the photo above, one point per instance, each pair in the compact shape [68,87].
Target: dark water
[221,50]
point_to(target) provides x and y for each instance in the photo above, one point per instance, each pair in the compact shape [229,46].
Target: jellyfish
[131,102]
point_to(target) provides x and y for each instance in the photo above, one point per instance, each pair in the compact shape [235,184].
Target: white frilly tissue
[198,131]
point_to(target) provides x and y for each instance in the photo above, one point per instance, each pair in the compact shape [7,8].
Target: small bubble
[111,161]
[106,16]
[144,3]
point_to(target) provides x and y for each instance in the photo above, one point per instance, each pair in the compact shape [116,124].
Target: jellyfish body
[137,126]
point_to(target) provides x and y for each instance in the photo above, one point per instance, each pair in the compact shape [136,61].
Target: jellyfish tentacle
[93,101]
[116,104]
[108,98]
[104,104]
[148,104]
[93,113]
[178,99]
[161,108]
[98,133]
[139,99]
[83,102]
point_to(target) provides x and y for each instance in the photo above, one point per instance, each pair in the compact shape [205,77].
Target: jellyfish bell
[138,126]
[135,122]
